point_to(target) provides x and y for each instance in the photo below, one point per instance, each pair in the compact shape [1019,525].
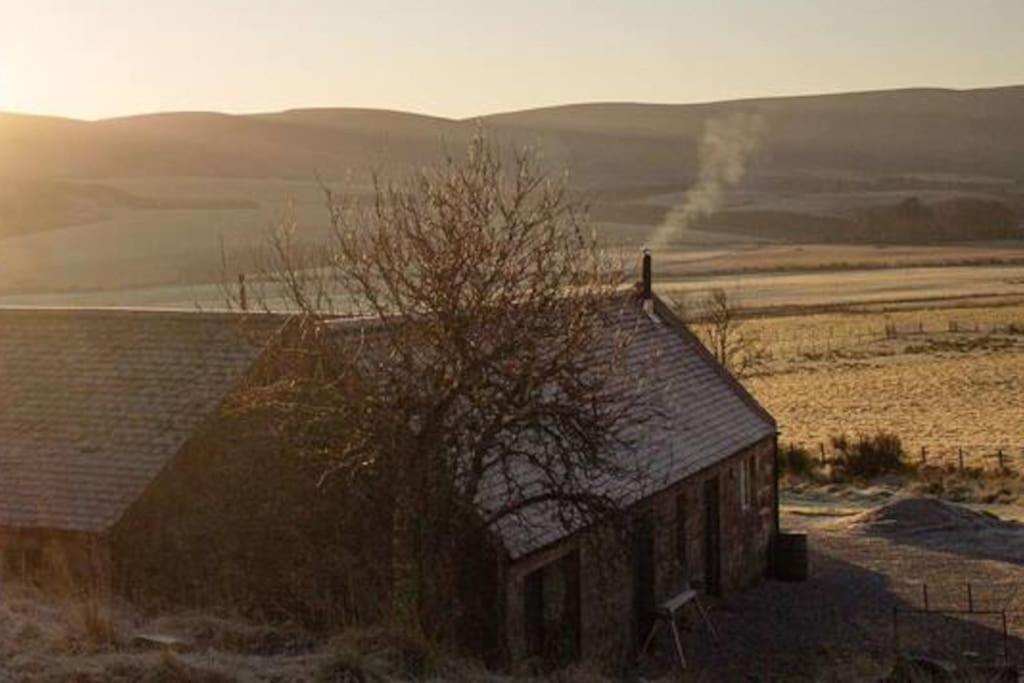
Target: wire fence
[957,620]
[999,458]
[827,340]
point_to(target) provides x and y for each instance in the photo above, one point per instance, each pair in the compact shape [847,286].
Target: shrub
[869,456]
[796,460]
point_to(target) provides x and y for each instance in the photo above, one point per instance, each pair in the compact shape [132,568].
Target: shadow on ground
[839,624]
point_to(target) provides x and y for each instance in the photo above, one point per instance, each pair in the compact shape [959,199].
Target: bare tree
[476,378]
[716,318]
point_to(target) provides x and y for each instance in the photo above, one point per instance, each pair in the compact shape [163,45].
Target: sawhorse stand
[666,613]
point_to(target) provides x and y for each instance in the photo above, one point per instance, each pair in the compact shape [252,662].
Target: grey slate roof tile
[706,417]
[95,403]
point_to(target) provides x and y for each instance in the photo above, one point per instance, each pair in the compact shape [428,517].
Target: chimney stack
[646,291]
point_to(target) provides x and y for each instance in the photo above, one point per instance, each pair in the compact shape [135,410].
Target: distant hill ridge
[968,132]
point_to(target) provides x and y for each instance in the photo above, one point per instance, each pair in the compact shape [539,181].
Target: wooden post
[924,455]
[961,459]
[821,449]
[970,597]
[999,454]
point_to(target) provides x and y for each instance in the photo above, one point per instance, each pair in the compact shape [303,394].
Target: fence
[992,458]
[955,619]
[827,340]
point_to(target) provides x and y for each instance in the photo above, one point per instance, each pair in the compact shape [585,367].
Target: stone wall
[608,631]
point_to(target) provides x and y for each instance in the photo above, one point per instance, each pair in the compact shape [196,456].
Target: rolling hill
[146,200]
[920,131]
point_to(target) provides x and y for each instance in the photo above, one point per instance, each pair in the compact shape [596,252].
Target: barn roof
[704,416]
[94,403]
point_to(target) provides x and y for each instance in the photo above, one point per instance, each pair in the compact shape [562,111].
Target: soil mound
[917,514]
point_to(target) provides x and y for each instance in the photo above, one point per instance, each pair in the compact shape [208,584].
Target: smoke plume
[725,147]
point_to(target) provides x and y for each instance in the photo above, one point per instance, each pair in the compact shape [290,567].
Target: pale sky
[460,58]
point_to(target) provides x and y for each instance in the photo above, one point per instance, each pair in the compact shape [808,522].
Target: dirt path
[838,626]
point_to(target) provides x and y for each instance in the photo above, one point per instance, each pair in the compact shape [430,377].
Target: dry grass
[53,638]
[943,391]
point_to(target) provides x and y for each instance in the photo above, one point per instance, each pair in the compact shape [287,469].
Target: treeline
[953,220]
[909,221]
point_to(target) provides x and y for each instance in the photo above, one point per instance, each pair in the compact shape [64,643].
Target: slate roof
[94,403]
[704,416]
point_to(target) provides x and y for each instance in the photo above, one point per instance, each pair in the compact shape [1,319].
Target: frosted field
[939,389]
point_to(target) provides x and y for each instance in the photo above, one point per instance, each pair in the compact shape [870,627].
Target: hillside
[145,200]
[976,132]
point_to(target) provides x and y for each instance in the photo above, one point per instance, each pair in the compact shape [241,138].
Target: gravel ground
[838,625]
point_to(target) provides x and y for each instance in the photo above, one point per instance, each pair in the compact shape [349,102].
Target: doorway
[643,576]
[712,537]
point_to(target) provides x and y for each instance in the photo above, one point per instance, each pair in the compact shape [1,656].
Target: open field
[942,379]
[169,257]
[897,287]
[846,288]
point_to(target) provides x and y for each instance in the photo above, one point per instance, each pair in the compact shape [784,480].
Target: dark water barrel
[789,556]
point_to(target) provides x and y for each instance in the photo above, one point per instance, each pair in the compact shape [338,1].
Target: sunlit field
[941,379]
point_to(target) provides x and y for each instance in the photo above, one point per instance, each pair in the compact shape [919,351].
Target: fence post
[962,464]
[821,449]
[924,455]
[999,454]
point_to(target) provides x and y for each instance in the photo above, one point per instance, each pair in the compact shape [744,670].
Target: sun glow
[8,89]
[5,88]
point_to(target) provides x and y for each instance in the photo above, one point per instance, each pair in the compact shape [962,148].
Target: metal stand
[666,614]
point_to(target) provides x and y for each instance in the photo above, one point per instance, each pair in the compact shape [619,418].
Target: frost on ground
[837,626]
[54,639]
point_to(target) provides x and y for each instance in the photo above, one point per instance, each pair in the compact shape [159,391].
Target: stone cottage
[703,516]
[106,453]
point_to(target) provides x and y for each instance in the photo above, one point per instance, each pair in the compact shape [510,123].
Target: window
[748,481]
